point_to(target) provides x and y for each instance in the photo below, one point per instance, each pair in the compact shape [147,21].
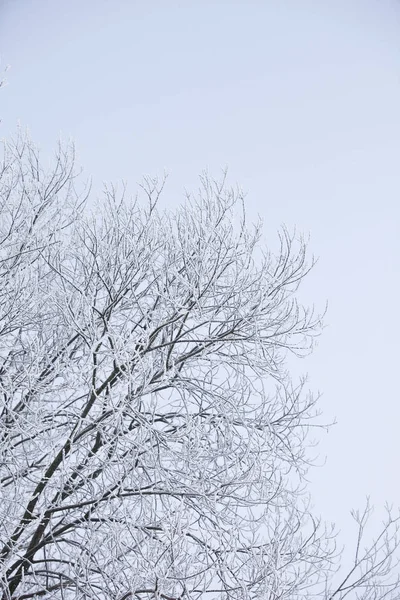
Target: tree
[153,444]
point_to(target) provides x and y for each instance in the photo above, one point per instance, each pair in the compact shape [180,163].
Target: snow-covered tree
[152,441]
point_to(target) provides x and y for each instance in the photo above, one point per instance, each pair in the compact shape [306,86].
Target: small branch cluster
[3,82]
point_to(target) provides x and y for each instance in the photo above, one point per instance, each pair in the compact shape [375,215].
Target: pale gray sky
[300,99]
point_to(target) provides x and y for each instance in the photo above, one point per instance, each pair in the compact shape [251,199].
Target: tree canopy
[152,441]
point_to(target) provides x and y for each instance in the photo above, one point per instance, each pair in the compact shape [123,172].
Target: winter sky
[301,100]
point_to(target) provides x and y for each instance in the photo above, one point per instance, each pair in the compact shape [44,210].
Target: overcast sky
[301,100]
